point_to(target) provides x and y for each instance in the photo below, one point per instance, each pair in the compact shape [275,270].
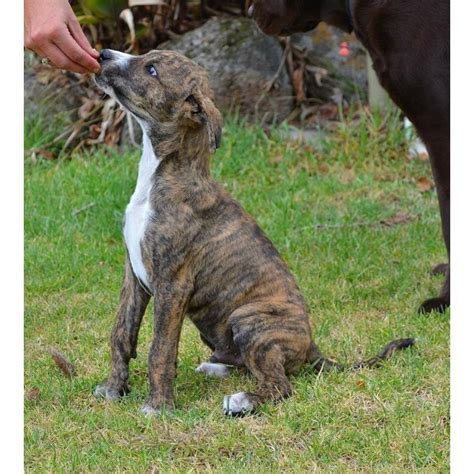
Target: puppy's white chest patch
[139,211]
[136,219]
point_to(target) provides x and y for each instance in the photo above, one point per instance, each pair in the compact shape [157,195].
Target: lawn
[360,231]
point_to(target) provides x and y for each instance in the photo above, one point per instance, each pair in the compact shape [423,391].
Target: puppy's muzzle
[112,64]
[105,55]
[108,58]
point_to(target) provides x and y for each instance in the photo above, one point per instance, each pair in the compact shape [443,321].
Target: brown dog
[408,41]
[195,250]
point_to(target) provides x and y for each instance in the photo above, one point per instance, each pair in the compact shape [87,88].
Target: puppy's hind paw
[240,404]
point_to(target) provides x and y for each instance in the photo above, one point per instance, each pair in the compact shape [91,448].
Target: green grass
[362,285]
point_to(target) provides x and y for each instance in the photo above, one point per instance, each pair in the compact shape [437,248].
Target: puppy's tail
[323,364]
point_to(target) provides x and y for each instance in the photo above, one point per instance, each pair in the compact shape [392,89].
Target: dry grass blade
[398,219]
[33,394]
[75,132]
[127,16]
[41,153]
[135,3]
[298,84]
[280,67]
[83,208]
[66,367]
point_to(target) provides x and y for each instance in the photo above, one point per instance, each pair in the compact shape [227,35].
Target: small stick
[82,209]
[390,222]
[280,67]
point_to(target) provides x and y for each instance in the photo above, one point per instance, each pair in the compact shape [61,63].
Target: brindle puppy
[408,41]
[195,250]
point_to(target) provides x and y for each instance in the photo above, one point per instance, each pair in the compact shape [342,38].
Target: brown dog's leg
[440,269]
[170,305]
[133,303]
[437,141]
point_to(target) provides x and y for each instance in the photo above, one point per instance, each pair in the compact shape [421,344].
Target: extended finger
[68,45]
[61,60]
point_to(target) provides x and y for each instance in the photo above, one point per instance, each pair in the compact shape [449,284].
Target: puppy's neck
[184,154]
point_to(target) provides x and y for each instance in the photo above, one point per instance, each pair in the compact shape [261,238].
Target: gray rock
[242,63]
[345,74]
[51,93]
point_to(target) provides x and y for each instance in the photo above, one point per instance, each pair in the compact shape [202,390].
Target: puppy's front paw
[149,411]
[109,392]
[156,405]
[240,404]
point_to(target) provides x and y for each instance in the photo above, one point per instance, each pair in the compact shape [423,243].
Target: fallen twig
[397,219]
[280,67]
[82,209]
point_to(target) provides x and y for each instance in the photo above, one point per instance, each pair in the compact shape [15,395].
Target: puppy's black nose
[105,55]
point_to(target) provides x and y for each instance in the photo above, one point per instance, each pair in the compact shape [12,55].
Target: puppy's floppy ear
[202,110]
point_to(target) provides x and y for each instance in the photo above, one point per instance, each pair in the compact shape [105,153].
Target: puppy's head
[164,90]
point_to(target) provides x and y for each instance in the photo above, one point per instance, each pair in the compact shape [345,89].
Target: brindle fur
[205,256]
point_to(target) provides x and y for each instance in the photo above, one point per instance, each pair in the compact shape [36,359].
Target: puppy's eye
[150,69]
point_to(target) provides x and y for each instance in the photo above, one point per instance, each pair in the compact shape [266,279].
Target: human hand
[52,31]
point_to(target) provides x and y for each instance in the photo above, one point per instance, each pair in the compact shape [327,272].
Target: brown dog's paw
[109,392]
[440,269]
[439,305]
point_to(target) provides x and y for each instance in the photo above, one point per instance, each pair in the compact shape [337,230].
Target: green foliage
[362,285]
[95,11]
